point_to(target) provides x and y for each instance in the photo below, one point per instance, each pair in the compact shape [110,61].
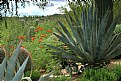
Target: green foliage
[35,75]
[118,29]
[90,42]
[61,78]
[117,71]
[102,74]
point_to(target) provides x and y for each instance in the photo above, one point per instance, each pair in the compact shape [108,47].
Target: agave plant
[92,41]
[7,69]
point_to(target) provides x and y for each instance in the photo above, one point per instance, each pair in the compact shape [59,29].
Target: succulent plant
[91,41]
[36,22]
[22,21]
[2,53]
[7,68]
[31,32]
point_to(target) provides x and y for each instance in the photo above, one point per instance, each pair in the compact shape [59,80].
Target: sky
[50,9]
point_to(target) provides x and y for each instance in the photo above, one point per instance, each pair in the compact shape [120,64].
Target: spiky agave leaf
[45,77]
[20,72]
[11,64]
[2,69]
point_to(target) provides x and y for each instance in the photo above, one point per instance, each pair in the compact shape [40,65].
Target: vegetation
[103,74]
[47,49]
[90,43]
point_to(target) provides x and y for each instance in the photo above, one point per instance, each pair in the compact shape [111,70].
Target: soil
[114,62]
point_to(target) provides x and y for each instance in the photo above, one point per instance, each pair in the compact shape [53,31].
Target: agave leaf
[110,30]
[67,33]
[76,35]
[2,69]
[77,19]
[117,48]
[85,30]
[27,78]
[116,53]
[68,42]
[65,38]
[115,41]
[101,32]
[75,49]
[11,64]
[108,37]
[20,72]
[58,49]
[45,77]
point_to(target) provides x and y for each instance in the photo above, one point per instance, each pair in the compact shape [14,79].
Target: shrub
[102,74]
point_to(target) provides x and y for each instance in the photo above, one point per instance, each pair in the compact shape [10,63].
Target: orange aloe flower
[43,35]
[40,40]
[40,46]
[35,30]
[33,38]
[49,31]
[39,28]
[12,47]
[21,37]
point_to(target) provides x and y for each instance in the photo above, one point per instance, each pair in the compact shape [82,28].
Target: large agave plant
[91,41]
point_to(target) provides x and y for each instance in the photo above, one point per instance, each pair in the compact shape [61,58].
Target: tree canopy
[5,5]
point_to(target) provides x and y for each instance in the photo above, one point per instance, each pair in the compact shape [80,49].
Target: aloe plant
[92,41]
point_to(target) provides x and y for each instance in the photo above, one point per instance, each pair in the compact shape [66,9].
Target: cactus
[22,22]
[31,32]
[36,22]
[22,55]
[2,53]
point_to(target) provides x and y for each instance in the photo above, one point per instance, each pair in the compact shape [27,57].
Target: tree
[4,5]
[103,6]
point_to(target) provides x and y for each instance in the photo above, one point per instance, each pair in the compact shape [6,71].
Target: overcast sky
[51,8]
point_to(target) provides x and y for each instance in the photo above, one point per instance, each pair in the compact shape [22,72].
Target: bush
[102,74]
[61,78]
[117,71]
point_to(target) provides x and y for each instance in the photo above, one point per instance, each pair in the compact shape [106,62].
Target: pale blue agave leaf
[2,69]
[67,33]
[27,78]
[11,64]
[45,77]
[20,72]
